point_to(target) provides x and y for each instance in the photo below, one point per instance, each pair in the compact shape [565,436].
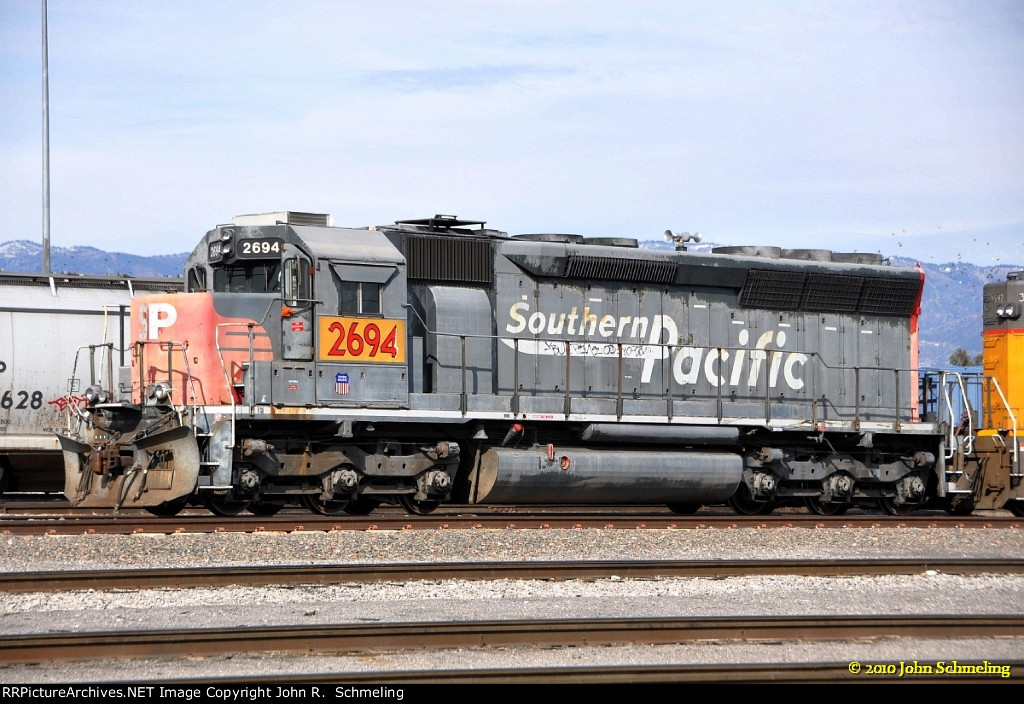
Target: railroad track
[375,637]
[293,575]
[190,653]
[140,522]
[743,673]
[183,647]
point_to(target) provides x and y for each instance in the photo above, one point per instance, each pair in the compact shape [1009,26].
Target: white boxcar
[46,325]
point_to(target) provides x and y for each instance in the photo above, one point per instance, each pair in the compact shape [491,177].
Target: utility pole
[46,152]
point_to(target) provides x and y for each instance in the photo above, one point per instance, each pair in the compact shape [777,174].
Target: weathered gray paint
[751,350]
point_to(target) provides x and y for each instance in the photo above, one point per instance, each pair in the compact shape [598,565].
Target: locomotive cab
[284,319]
[1003,354]
[311,315]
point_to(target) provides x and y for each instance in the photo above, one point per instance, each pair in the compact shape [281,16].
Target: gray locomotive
[438,360]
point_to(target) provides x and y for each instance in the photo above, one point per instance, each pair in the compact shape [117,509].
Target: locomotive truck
[438,360]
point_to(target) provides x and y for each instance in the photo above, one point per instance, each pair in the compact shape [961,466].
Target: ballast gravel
[456,600]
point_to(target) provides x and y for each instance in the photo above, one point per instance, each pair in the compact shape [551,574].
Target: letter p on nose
[158,316]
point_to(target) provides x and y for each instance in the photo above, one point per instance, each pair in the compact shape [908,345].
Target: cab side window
[196,280]
[296,281]
[359,298]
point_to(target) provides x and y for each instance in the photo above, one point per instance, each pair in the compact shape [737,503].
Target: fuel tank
[575,475]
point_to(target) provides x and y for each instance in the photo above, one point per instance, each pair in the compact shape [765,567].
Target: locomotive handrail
[72,403]
[92,364]
[227,376]
[188,377]
[1013,423]
[953,429]
[191,379]
[618,392]
[983,385]
[763,354]
[463,397]
[515,379]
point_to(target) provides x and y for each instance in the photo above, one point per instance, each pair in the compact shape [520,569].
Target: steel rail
[368,637]
[733,673]
[127,524]
[327,574]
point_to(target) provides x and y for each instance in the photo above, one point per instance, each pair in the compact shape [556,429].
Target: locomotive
[438,360]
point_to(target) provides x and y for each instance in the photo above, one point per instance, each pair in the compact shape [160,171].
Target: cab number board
[361,340]
[260,248]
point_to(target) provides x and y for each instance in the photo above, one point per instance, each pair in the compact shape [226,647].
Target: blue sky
[891,126]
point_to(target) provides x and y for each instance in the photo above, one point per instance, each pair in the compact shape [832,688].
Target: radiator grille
[889,297]
[825,292]
[311,219]
[775,290]
[832,292]
[582,266]
[451,259]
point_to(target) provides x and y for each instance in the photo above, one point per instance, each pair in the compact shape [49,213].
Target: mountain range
[950,319]
[25,256]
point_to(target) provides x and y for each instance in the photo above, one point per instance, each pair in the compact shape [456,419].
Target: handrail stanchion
[463,398]
[856,398]
[897,425]
[671,379]
[568,384]
[515,377]
[718,389]
[618,396]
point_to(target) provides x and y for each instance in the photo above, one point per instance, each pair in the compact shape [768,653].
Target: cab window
[359,298]
[296,281]
[196,280]
[264,277]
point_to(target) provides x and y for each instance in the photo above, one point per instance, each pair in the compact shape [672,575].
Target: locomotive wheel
[325,508]
[825,508]
[168,509]
[361,507]
[222,505]
[684,509]
[746,505]
[1016,508]
[893,509]
[264,508]
[418,508]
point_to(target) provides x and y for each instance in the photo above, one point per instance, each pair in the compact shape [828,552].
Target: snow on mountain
[25,256]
